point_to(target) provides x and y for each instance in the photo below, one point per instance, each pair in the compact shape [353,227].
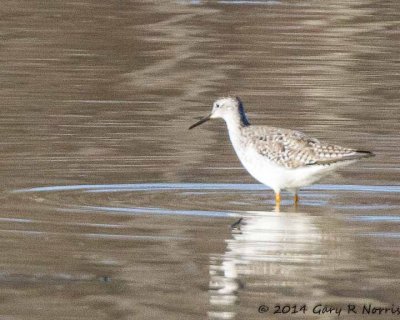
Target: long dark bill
[205,119]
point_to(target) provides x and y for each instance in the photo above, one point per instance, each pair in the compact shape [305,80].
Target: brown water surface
[111,209]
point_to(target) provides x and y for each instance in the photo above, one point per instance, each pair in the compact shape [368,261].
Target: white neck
[235,121]
[234,124]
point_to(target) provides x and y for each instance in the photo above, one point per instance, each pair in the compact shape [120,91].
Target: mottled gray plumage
[293,149]
[279,158]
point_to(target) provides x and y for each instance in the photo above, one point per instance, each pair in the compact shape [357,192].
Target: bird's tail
[354,155]
[364,154]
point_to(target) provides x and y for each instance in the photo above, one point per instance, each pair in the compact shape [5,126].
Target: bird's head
[229,109]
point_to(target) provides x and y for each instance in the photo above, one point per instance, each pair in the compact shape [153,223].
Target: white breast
[272,175]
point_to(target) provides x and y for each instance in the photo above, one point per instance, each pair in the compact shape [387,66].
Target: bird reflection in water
[268,247]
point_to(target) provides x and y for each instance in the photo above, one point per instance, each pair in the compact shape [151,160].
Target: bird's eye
[217,105]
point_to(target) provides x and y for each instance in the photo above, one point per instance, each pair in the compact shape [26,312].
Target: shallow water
[111,209]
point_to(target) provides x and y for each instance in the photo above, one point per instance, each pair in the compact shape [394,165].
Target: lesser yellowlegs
[280,158]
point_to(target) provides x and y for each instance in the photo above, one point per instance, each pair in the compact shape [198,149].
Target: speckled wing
[293,149]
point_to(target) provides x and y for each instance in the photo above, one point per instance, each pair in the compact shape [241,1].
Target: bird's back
[293,149]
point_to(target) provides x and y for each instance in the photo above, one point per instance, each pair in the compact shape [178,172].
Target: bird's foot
[296,199]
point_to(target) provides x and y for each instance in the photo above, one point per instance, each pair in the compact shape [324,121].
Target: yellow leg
[296,198]
[277,198]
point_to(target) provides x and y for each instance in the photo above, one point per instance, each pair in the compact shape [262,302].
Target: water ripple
[375,218]
[203,186]
[161,211]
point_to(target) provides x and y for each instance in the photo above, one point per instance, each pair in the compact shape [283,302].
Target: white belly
[278,177]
